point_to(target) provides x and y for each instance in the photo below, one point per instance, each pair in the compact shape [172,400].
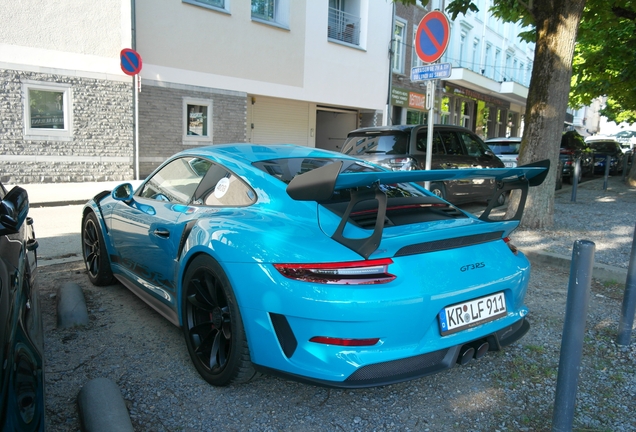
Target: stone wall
[162,119]
[101,145]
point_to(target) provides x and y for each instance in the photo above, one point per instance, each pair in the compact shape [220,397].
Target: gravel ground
[605,216]
[512,390]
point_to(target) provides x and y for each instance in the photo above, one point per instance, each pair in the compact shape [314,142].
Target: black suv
[403,147]
[573,146]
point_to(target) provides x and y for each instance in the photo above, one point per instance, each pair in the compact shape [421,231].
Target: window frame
[194,139]
[399,44]
[280,16]
[199,3]
[45,134]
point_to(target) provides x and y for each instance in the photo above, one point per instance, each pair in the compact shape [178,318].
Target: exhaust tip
[482,350]
[465,355]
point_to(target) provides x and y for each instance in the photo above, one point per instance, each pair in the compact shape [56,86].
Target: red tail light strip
[344,342]
[343,273]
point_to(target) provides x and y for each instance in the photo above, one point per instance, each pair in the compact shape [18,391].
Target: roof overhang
[509,91]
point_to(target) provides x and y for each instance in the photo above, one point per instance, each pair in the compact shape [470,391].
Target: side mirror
[13,210]
[123,192]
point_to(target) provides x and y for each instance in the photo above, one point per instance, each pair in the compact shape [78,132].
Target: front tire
[212,325]
[94,252]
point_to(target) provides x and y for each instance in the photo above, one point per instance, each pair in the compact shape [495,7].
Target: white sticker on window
[221,187]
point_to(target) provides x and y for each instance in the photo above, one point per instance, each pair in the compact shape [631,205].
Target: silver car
[506,149]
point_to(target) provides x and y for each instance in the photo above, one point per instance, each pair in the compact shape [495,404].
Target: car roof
[504,139]
[250,153]
[403,128]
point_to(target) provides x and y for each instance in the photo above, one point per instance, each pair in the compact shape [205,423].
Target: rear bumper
[396,371]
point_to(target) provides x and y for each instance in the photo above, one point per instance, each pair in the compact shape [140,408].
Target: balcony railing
[344,27]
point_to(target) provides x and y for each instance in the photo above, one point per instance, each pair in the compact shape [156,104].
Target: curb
[601,272]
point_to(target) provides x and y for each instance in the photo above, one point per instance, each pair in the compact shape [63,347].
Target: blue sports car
[313,265]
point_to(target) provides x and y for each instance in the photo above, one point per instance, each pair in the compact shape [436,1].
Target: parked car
[573,147]
[507,150]
[627,139]
[21,332]
[403,147]
[604,148]
[299,262]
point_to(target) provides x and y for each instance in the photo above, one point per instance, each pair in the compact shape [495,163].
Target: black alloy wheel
[212,325]
[94,252]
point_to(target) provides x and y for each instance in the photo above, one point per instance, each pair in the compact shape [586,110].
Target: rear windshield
[393,143]
[510,148]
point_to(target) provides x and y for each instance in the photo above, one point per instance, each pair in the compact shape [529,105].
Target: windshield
[603,147]
[504,147]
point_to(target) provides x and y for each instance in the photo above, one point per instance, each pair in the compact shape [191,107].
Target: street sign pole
[430,105]
[431,40]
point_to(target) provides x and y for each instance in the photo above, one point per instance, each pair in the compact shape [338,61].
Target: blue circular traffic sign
[130,61]
[432,36]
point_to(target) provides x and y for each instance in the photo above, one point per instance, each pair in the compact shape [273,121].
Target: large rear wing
[320,184]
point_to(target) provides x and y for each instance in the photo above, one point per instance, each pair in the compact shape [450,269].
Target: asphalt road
[57,230]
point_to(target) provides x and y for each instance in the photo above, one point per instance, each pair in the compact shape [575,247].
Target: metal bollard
[625,166]
[629,300]
[608,160]
[573,332]
[575,178]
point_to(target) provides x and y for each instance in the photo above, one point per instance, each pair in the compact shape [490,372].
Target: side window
[473,146]
[222,188]
[438,144]
[177,181]
[451,143]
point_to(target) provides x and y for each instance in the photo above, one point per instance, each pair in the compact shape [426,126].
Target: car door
[147,231]
[463,152]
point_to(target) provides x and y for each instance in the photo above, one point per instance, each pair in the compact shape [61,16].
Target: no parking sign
[432,36]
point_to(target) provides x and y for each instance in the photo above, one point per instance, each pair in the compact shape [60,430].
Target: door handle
[163,233]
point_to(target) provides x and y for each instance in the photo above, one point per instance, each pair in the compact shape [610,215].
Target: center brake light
[367,272]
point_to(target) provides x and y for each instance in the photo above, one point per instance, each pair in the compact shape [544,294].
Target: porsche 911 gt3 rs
[313,265]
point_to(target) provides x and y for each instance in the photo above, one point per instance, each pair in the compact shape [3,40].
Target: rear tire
[212,325]
[94,252]
[439,190]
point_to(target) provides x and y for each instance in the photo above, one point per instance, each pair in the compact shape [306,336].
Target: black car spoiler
[320,184]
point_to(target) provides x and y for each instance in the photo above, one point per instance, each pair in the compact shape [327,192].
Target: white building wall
[186,44]
[80,37]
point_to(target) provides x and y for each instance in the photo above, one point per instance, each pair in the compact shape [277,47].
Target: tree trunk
[631,176]
[557,23]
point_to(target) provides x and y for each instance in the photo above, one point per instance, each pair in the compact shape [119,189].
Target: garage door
[272,121]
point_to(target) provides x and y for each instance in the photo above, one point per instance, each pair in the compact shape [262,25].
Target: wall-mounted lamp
[253,100]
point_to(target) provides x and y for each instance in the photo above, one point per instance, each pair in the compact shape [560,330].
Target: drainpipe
[133,43]
[387,114]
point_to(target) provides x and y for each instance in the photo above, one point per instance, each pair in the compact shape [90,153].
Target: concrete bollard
[573,332]
[71,306]
[102,408]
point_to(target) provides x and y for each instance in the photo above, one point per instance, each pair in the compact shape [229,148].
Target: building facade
[488,85]
[66,105]
[265,71]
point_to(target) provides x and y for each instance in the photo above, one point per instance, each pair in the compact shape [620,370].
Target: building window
[219,5]
[475,59]
[462,48]
[197,126]
[344,21]
[398,47]
[271,12]
[47,110]
[415,59]
[488,65]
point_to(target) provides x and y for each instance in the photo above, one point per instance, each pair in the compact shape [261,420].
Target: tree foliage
[605,59]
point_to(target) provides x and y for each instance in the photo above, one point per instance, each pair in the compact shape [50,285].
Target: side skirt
[154,303]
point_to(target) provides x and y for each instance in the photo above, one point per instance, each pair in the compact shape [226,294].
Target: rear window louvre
[451,243]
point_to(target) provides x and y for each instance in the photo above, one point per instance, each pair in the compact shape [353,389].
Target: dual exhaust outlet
[473,350]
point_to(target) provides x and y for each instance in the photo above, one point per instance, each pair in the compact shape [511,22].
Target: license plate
[509,164]
[461,316]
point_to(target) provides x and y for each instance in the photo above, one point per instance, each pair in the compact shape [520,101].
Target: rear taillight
[344,342]
[512,247]
[344,273]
